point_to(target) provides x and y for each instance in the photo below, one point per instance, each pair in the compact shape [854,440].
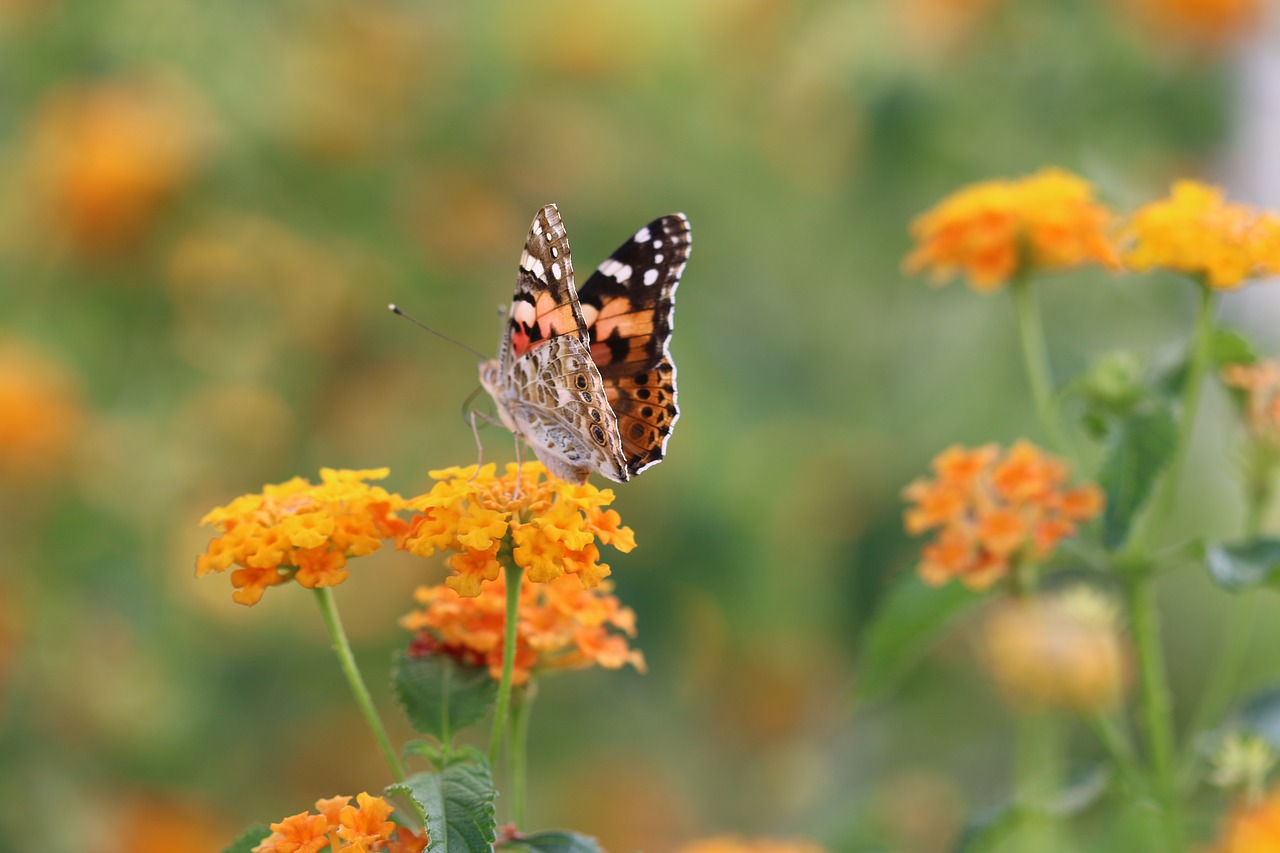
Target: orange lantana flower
[1261,386]
[995,230]
[561,626]
[992,509]
[549,526]
[343,828]
[301,531]
[1252,828]
[1195,230]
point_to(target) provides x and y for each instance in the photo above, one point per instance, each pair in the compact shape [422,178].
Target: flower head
[1062,650]
[1260,385]
[301,531]
[41,412]
[1195,230]
[993,508]
[561,626]
[550,527]
[1252,828]
[343,828]
[995,230]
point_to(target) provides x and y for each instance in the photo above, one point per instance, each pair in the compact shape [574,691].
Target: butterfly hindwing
[544,304]
[627,306]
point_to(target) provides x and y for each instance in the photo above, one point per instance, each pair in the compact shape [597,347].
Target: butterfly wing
[627,306]
[545,304]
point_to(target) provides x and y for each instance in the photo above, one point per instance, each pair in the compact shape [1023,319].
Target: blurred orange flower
[995,230]
[1252,828]
[1195,230]
[1063,650]
[41,413]
[550,527]
[993,509]
[301,531]
[1207,23]
[106,156]
[1261,386]
[736,844]
[561,626]
[343,828]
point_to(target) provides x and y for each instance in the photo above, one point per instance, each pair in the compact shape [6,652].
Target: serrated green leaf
[1236,566]
[553,841]
[1230,346]
[1138,449]
[440,695]
[249,839]
[905,626]
[456,805]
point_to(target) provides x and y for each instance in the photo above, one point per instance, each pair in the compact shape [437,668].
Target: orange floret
[1260,384]
[996,230]
[343,828]
[993,510]
[1252,828]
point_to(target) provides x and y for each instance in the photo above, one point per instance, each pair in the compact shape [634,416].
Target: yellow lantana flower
[562,625]
[1195,230]
[995,230]
[550,527]
[301,531]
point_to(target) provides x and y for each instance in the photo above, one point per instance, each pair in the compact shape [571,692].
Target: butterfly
[583,376]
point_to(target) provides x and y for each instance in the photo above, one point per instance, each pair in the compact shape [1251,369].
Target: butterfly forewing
[544,304]
[627,305]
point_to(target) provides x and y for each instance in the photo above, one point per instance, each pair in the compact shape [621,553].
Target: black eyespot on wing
[641,378]
[581,381]
[586,396]
[597,434]
[637,430]
[646,412]
[643,393]
[595,415]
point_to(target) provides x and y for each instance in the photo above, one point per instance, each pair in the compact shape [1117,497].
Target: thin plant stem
[347,661]
[1116,741]
[1035,357]
[1038,769]
[513,575]
[519,751]
[1157,707]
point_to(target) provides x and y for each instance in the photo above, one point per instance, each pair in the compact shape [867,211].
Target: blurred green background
[206,209]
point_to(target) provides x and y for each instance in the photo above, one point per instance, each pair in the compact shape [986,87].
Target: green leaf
[1236,566]
[441,695]
[553,841]
[906,625]
[1138,449]
[456,805]
[1230,346]
[249,839]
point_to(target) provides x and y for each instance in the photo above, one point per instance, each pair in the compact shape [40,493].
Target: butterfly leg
[519,466]
[474,416]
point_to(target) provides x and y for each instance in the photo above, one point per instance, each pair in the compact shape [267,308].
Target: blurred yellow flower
[106,156]
[993,509]
[736,844]
[550,527]
[561,626]
[995,230]
[1195,230]
[343,828]
[1260,384]
[1252,828]
[41,413]
[1063,650]
[301,531]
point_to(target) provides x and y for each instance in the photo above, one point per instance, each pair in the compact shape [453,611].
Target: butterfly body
[584,377]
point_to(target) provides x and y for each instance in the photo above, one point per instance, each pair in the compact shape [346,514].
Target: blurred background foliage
[208,206]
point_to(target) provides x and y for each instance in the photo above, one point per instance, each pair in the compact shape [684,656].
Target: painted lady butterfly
[584,376]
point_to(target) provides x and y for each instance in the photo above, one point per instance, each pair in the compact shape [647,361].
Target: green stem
[1116,741]
[1038,768]
[346,660]
[1157,710]
[520,750]
[514,575]
[1035,357]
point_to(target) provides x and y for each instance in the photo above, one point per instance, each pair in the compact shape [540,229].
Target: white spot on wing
[615,270]
[657,244]
[651,277]
[658,258]
[643,235]
[532,264]
[555,271]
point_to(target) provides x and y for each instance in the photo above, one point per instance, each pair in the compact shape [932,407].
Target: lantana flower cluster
[343,828]
[1195,230]
[994,230]
[561,626]
[1252,828]
[301,531]
[551,527]
[993,508]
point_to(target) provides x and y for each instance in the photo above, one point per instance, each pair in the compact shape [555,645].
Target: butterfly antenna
[395,309]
